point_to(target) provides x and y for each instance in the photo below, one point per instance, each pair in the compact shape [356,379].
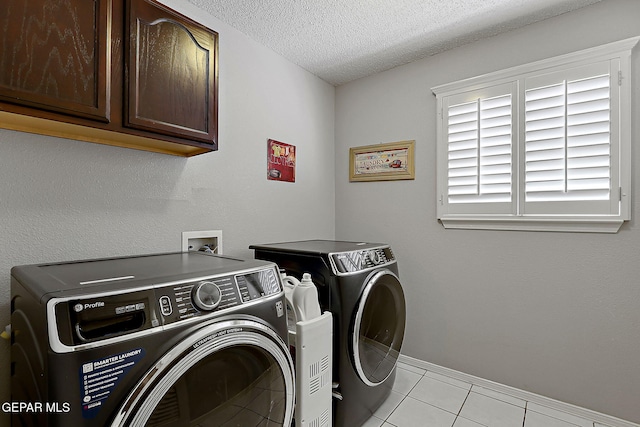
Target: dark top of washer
[317,247]
[125,272]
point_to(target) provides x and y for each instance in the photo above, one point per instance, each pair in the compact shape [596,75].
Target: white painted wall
[553,313]
[557,314]
[63,200]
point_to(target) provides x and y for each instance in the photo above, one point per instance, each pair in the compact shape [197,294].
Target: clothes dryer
[359,284]
[179,339]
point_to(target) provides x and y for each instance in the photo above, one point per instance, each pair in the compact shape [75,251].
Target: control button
[120,310]
[140,306]
[130,308]
[279,309]
[206,296]
[165,305]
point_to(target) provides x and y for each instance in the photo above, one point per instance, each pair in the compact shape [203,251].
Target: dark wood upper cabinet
[172,78]
[53,56]
[131,73]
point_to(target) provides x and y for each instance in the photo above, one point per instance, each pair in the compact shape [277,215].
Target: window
[544,146]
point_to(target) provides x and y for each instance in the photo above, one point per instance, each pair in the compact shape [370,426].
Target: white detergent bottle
[305,299]
[290,284]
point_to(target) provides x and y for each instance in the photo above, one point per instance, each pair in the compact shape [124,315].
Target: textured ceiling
[343,40]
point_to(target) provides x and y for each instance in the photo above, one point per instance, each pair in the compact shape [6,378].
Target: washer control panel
[100,317]
[357,261]
[184,300]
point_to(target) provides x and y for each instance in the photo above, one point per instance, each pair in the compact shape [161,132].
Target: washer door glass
[240,385]
[379,327]
[218,377]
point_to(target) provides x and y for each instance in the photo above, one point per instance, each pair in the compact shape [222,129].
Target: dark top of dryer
[125,272]
[317,247]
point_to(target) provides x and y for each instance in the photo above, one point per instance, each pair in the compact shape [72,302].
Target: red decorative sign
[281,161]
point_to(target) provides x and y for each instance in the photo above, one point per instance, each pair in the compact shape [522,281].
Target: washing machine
[178,339]
[358,283]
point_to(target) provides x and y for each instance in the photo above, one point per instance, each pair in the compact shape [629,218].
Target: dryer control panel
[104,317]
[357,261]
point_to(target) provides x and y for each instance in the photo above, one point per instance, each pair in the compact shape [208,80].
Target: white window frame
[513,215]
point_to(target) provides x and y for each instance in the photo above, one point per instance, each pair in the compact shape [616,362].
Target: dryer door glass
[379,327]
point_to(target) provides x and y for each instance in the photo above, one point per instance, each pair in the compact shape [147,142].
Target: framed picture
[382,162]
[281,161]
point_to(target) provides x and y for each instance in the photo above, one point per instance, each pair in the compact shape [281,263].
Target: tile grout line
[424,374]
[463,403]
[404,396]
[593,417]
[461,406]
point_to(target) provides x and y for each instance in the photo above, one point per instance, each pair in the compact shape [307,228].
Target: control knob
[375,257]
[206,296]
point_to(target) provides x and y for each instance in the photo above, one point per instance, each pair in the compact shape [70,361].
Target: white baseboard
[520,394]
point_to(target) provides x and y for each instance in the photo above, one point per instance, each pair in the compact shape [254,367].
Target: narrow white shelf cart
[314,370]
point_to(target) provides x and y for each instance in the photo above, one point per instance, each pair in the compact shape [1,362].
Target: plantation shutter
[480,149]
[544,146]
[568,134]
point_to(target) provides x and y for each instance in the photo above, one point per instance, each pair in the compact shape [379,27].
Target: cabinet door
[172,73]
[54,55]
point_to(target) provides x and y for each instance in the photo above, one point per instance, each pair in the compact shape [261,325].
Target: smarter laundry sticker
[99,377]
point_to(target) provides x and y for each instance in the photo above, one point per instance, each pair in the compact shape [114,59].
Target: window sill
[562,224]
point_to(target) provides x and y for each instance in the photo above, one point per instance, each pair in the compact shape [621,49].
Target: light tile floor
[424,398]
